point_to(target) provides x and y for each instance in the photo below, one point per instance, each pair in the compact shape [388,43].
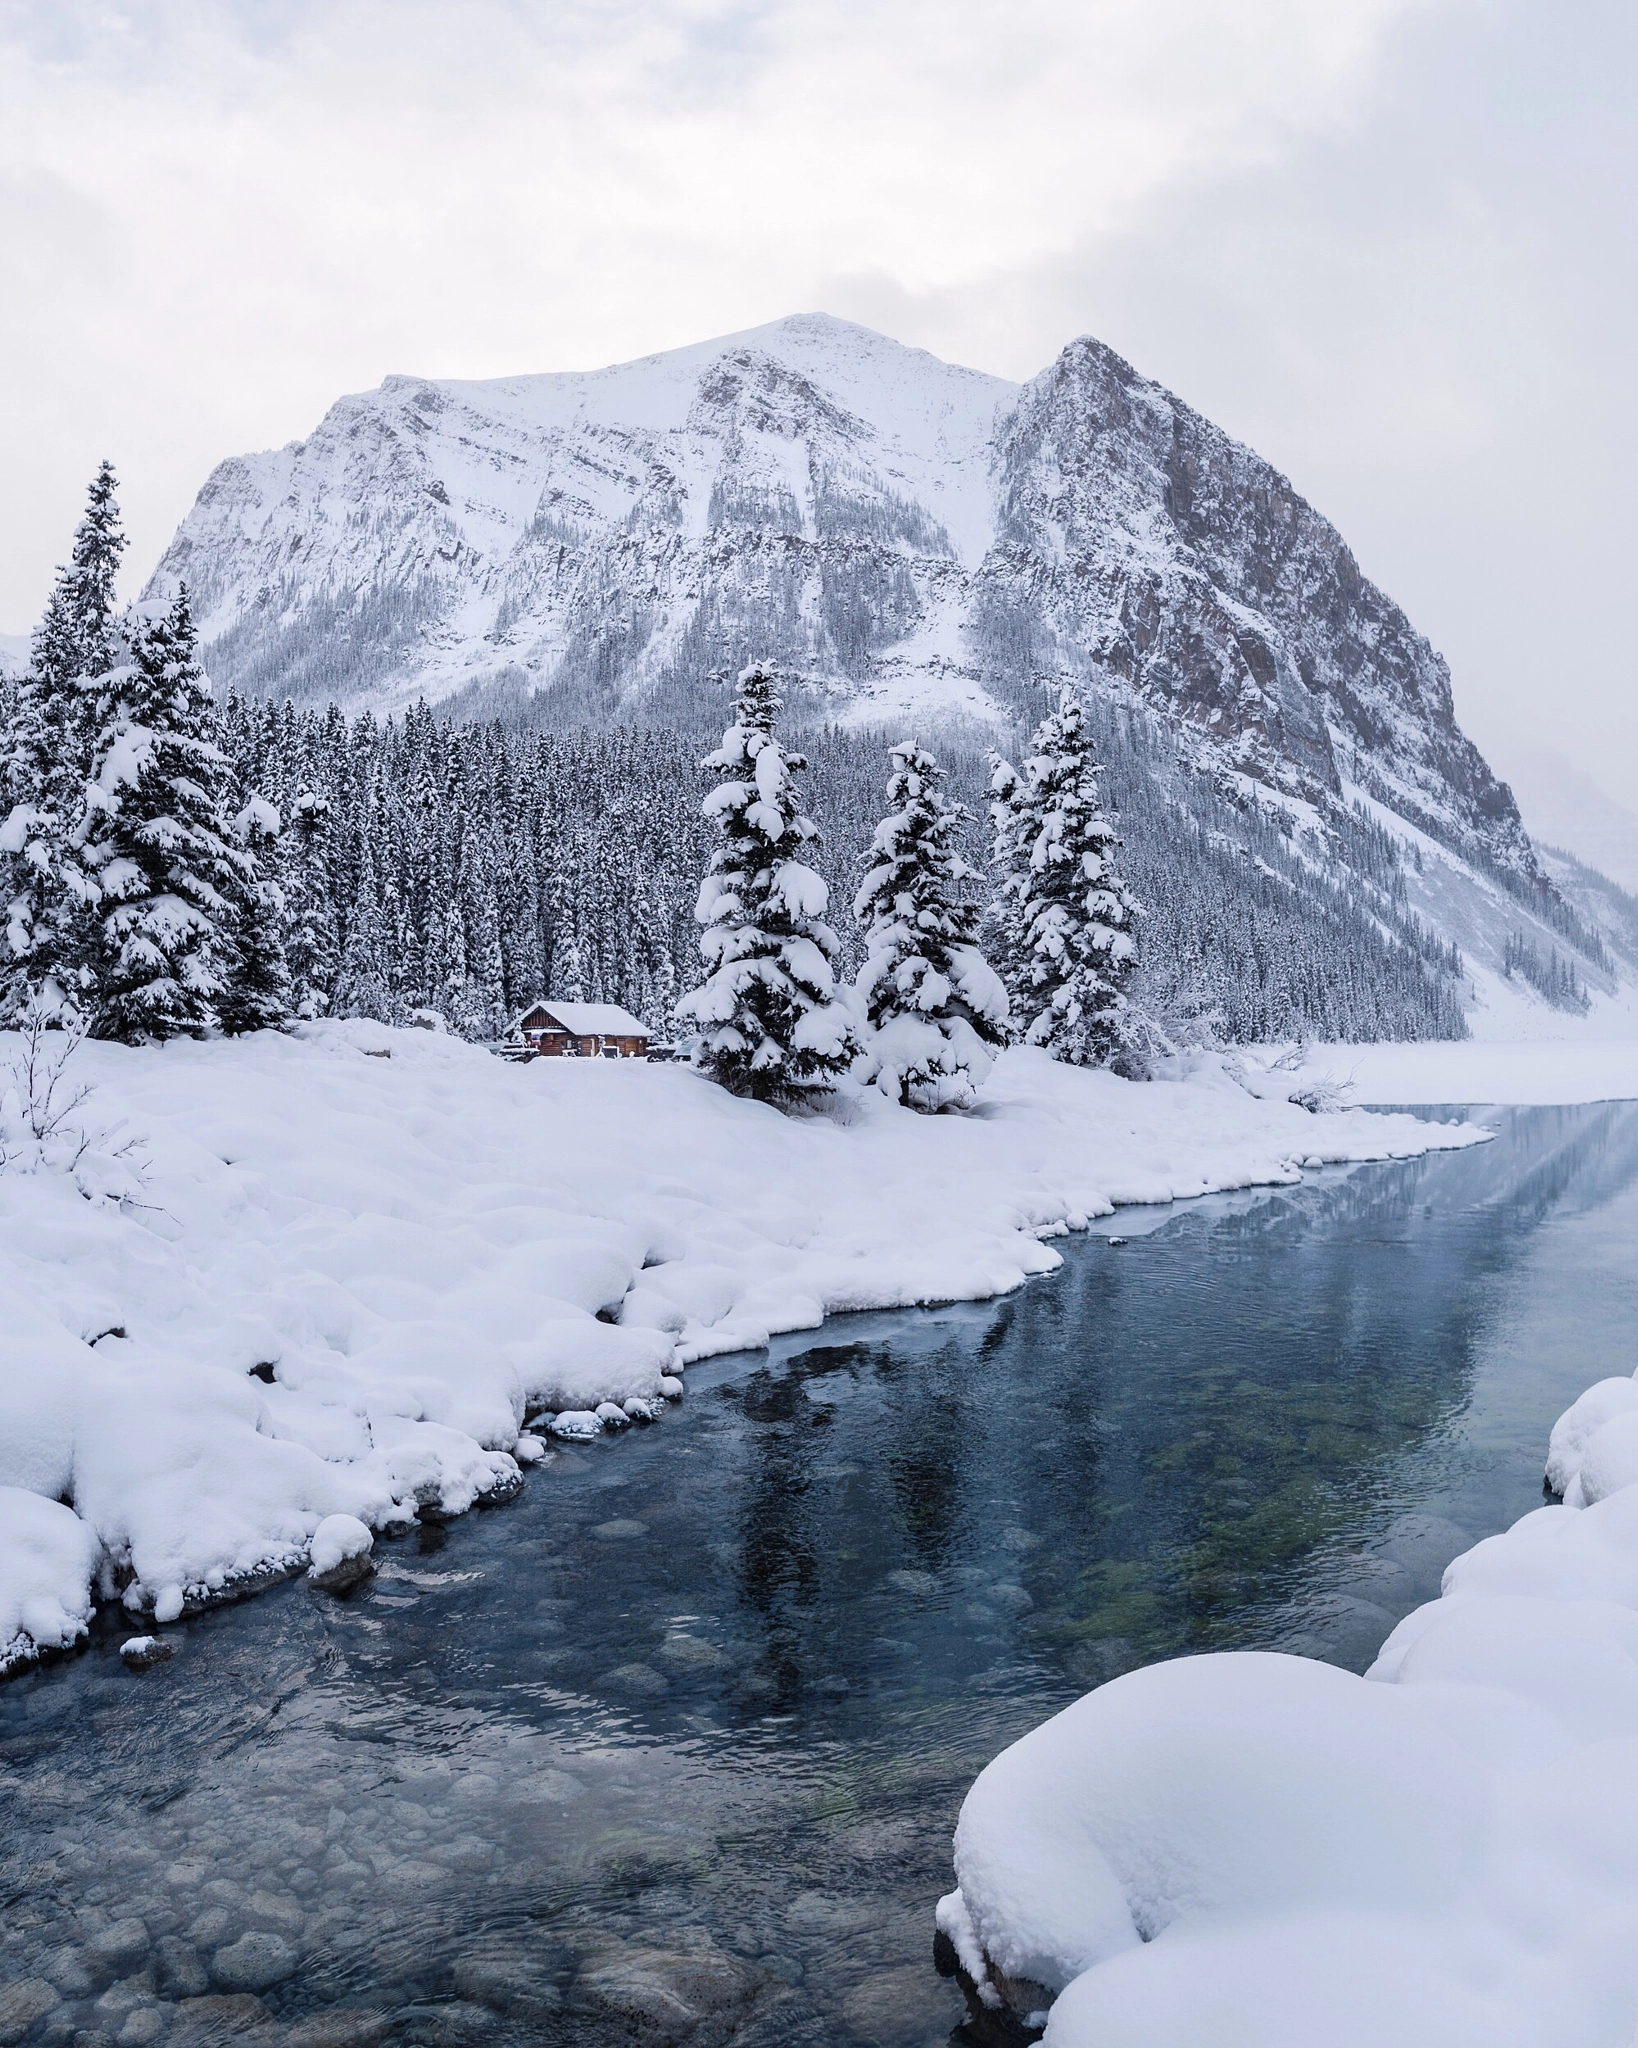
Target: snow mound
[47,1556]
[1248,1848]
[347,1285]
[1583,1420]
[337,1539]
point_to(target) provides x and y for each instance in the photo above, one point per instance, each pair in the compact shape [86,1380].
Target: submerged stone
[641,1679]
[255,1962]
[341,2027]
[178,1970]
[666,1997]
[23,2003]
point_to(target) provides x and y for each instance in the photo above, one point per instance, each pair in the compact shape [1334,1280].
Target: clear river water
[669,1750]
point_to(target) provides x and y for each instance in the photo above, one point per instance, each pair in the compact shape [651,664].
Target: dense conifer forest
[173,861]
[470,868]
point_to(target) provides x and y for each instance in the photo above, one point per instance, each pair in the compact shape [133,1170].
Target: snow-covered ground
[341,1269]
[1579,1067]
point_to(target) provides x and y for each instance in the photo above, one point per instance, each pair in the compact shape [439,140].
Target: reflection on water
[670,1749]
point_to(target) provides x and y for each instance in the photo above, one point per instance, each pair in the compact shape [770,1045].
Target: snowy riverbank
[1248,1850]
[358,1259]
[1579,1067]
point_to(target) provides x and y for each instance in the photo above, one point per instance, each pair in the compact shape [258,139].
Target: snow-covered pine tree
[767,1016]
[568,972]
[481,1011]
[158,840]
[449,997]
[1063,912]
[256,996]
[936,1006]
[311,945]
[48,762]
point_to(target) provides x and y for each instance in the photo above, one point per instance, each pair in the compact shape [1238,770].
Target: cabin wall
[559,1045]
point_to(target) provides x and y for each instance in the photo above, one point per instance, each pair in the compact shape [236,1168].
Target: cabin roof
[587,1020]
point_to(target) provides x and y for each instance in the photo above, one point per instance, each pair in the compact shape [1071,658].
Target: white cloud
[1385,241]
[214,219]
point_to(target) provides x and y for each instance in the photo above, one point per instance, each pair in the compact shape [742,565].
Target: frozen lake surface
[669,1750]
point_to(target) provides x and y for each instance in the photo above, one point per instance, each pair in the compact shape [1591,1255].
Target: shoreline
[343,1284]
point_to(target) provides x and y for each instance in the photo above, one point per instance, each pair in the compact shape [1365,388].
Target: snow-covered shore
[358,1260]
[1250,1848]
[1581,1066]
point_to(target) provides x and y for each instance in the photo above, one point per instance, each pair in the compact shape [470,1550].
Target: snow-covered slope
[912,537]
[1564,807]
[604,532]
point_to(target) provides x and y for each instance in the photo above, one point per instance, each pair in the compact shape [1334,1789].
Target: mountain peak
[912,539]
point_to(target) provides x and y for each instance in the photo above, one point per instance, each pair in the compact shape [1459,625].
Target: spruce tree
[311,947]
[256,995]
[936,1007]
[768,1020]
[158,840]
[568,971]
[77,635]
[48,891]
[481,1006]
[449,996]
[1063,911]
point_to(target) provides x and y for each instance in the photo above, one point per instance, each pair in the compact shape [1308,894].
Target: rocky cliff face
[915,540]
[1162,552]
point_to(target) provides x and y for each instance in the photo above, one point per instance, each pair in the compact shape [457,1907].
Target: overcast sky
[1390,243]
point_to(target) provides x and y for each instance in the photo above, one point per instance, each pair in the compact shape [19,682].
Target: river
[670,1749]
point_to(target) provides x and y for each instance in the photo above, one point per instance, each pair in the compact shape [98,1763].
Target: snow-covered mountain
[920,544]
[912,537]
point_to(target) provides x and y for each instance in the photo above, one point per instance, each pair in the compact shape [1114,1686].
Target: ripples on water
[670,1750]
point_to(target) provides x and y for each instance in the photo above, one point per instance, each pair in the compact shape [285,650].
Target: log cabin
[582,1030]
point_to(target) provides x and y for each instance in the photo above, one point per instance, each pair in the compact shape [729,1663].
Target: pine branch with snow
[768,1020]
[1062,910]
[936,1008]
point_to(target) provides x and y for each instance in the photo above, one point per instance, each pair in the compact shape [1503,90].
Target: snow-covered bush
[767,1015]
[1286,1079]
[936,1008]
[42,1125]
[1063,914]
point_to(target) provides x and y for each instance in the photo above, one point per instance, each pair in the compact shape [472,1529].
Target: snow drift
[1251,1848]
[343,1269]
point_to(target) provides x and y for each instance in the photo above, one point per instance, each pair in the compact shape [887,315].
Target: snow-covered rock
[345,1284]
[339,1555]
[1249,1848]
[47,1557]
[142,1653]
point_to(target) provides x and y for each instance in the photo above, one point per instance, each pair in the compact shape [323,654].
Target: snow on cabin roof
[589,1020]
